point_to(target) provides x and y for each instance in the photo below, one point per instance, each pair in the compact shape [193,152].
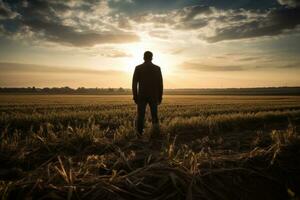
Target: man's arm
[134,85]
[161,87]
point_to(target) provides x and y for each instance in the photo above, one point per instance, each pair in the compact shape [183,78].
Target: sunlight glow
[137,51]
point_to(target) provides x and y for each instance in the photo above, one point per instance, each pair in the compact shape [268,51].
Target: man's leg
[155,126]
[153,109]
[141,108]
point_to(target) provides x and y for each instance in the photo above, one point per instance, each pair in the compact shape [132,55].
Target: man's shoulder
[144,65]
[139,66]
[156,66]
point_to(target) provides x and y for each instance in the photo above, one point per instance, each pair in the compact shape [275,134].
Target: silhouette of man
[147,88]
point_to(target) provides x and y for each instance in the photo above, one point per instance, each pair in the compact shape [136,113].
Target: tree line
[120,90]
[65,90]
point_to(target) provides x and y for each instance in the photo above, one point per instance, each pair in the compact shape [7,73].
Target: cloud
[187,18]
[192,24]
[123,22]
[68,35]
[49,20]
[176,51]
[5,12]
[249,58]
[210,68]
[275,22]
[194,66]
[290,3]
[114,53]
[162,34]
[23,75]
[190,13]
[33,68]
[295,65]
[89,23]
[216,24]
[142,6]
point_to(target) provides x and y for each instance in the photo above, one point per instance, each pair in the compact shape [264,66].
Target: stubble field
[208,147]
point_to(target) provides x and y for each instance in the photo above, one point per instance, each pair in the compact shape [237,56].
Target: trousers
[141,109]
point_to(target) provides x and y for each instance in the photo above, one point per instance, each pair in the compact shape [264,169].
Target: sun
[137,52]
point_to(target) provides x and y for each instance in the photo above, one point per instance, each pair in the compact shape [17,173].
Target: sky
[197,43]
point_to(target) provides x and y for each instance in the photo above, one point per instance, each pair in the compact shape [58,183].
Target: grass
[208,147]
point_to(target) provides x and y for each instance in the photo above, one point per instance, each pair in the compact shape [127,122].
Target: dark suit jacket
[147,83]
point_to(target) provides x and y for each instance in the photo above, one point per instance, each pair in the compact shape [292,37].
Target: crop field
[207,147]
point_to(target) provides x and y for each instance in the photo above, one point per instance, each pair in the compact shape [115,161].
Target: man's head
[148,55]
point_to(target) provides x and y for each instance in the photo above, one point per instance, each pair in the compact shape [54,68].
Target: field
[208,147]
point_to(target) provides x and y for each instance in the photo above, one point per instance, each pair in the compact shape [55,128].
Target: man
[147,88]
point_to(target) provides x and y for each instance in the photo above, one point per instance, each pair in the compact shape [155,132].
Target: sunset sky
[197,43]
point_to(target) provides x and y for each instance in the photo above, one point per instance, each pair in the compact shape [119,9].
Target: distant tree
[121,90]
[80,90]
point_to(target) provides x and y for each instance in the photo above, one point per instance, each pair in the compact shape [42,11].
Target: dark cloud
[290,3]
[69,36]
[237,4]
[5,12]
[32,68]
[191,12]
[141,6]
[210,68]
[229,23]
[214,20]
[43,19]
[192,24]
[226,24]
[274,23]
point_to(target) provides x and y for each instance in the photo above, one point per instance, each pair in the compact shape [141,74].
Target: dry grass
[238,149]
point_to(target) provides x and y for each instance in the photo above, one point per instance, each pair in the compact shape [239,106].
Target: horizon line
[125,88]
